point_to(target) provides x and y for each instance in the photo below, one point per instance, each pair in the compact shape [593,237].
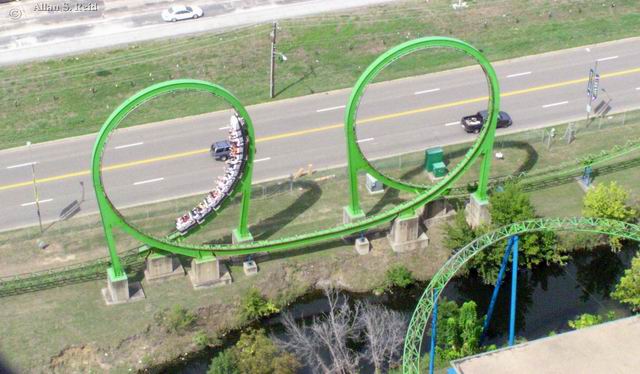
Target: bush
[585,320]
[177,320]
[398,276]
[628,289]
[458,234]
[224,363]
[608,201]
[255,306]
[202,340]
[537,248]
[254,353]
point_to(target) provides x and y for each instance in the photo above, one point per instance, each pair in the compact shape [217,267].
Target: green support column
[111,218]
[357,162]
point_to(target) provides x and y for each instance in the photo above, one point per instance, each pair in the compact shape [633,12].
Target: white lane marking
[34,203]
[225,128]
[555,104]
[331,108]
[129,145]
[452,123]
[148,181]
[262,159]
[426,91]
[21,165]
[365,140]
[518,74]
[588,49]
[637,88]
[607,58]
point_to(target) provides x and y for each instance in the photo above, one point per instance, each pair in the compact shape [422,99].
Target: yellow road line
[323,128]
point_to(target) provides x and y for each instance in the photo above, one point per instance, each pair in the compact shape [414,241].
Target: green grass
[37,326]
[74,95]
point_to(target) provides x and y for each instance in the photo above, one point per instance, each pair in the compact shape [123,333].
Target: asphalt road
[33,29]
[169,159]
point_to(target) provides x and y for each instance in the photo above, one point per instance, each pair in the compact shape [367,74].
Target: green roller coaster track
[357,162]
[422,313]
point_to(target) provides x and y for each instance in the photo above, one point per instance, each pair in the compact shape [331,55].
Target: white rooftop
[611,348]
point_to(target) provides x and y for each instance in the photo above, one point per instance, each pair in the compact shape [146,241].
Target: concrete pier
[363,246]
[161,267]
[348,216]
[405,235]
[208,272]
[119,290]
[477,212]
[236,238]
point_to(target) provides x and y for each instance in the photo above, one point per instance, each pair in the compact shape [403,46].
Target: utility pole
[592,88]
[272,84]
[35,188]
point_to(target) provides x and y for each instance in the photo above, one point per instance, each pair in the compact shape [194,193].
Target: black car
[474,123]
[221,150]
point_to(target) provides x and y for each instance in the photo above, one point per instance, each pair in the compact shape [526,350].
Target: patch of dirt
[82,359]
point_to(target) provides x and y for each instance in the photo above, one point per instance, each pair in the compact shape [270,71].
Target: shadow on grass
[391,195]
[268,227]
[306,75]
[528,164]
[271,225]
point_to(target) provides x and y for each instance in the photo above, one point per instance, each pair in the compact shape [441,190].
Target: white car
[180,12]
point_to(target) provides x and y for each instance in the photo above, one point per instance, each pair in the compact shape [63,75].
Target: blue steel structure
[514,287]
[434,331]
[512,247]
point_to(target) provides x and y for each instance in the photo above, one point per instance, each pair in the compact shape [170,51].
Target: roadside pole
[273,60]
[35,187]
[592,89]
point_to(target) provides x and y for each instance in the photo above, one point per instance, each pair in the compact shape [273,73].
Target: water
[547,299]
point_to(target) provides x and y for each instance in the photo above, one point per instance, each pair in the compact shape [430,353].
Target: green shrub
[628,289]
[224,363]
[202,340]
[177,320]
[399,276]
[585,320]
[255,306]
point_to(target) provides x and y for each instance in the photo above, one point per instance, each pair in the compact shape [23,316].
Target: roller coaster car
[474,123]
[184,223]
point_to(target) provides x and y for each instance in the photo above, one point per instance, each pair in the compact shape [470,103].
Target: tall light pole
[35,187]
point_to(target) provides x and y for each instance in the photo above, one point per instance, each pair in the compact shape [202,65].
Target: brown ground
[127,337]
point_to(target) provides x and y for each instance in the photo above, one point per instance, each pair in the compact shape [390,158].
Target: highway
[168,159]
[33,29]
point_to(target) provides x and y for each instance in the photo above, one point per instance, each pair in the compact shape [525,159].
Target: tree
[384,331]
[459,233]
[460,329]
[255,306]
[458,334]
[224,363]
[608,201]
[324,344]
[627,291]
[255,353]
[507,207]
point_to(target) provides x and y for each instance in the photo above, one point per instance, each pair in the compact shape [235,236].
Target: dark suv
[220,150]
[475,122]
